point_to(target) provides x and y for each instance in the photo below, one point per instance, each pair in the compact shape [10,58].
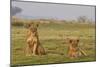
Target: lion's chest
[32,40]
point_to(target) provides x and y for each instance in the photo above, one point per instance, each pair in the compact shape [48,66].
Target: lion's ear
[70,41]
[26,25]
[29,25]
[77,40]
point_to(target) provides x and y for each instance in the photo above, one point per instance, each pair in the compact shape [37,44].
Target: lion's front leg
[28,50]
[35,49]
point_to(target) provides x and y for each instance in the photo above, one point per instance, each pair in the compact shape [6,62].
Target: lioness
[33,44]
[73,50]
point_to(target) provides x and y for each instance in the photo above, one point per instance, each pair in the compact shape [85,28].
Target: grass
[53,38]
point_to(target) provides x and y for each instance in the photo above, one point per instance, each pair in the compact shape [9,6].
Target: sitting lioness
[33,44]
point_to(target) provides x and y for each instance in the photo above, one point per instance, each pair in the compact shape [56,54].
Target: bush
[17,23]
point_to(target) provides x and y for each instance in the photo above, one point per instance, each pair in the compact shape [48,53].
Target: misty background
[36,10]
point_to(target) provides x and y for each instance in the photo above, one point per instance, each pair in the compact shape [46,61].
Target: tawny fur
[33,44]
[73,49]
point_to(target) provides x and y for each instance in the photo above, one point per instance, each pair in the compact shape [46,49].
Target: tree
[82,19]
[15,10]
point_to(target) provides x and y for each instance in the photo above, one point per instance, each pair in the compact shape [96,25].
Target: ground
[53,38]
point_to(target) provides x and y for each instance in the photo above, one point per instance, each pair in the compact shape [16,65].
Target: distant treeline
[23,22]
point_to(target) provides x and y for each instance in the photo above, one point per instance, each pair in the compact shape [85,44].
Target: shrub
[17,23]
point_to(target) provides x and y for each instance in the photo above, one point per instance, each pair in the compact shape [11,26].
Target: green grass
[52,36]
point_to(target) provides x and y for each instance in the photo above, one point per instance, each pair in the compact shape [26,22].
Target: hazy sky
[57,11]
